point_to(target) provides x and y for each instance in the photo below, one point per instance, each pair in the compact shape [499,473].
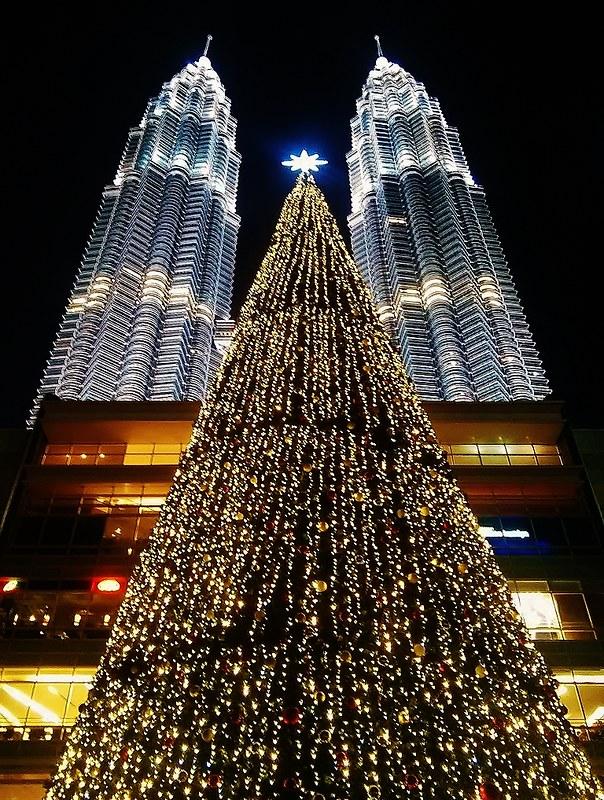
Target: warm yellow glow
[594,717]
[10,585]
[9,715]
[20,697]
[57,677]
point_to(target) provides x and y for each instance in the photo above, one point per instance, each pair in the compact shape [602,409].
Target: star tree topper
[304,162]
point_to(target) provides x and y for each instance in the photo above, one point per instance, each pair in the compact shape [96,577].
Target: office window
[503,454]
[36,703]
[551,611]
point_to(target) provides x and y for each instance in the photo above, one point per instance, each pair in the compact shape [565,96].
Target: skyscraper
[425,241]
[157,271]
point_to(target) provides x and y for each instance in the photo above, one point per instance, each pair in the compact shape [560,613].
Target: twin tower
[147,312]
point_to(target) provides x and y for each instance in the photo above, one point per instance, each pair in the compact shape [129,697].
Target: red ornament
[499,723]
[351,703]
[291,716]
[289,783]
[214,780]
[410,781]
[488,791]
[124,754]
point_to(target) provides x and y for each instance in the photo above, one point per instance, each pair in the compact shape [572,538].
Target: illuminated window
[35,703]
[503,454]
[552,611]
[582,692]
[91,455]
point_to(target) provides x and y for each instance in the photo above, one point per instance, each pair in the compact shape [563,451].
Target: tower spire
[379,46]
[207,47]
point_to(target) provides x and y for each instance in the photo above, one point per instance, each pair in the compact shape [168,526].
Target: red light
[108,584]
[9,584]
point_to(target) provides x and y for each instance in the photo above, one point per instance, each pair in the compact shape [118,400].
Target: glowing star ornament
[304,162]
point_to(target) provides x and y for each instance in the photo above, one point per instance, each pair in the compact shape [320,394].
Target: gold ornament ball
[322,525]
[307,467]
[207,734]
[424,511]
[412,577]
[480,671]
[346,656]
[359,497]
[419,650]
[462,568]
[320,586]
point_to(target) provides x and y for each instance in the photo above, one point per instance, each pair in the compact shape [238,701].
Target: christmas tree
[316,614]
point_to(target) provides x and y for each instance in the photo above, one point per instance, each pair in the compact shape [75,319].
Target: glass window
[582,692]
[523,461]
[520,449]
[165,458]
[464,449]
[492,449]
[552,615]
[573,612]
[549,461]
[42,698]
[461,460]
[490,461]
[137,458]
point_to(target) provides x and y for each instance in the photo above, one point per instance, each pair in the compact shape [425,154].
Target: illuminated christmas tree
[316,614]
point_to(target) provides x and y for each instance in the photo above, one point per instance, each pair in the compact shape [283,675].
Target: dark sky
[521,82]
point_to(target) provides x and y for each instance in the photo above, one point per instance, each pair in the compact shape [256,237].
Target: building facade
[425,241]
[96,475]
[157,271]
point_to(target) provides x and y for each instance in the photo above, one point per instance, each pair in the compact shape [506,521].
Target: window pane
[539,613]
[523,461]
[549,461]
[165,458]
[168,448]
[530,586]
[48,703]
[546,449]
[494,460]
[567,692]
[461,460]
[15,697]
[492,449]
[520,449]
[592,700]
[57,449]
[464,449]
[573,611]
[137,458]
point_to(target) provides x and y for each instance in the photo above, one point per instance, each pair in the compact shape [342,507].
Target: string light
[316,613]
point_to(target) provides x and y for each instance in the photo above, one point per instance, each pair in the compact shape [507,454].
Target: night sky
[523,87]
